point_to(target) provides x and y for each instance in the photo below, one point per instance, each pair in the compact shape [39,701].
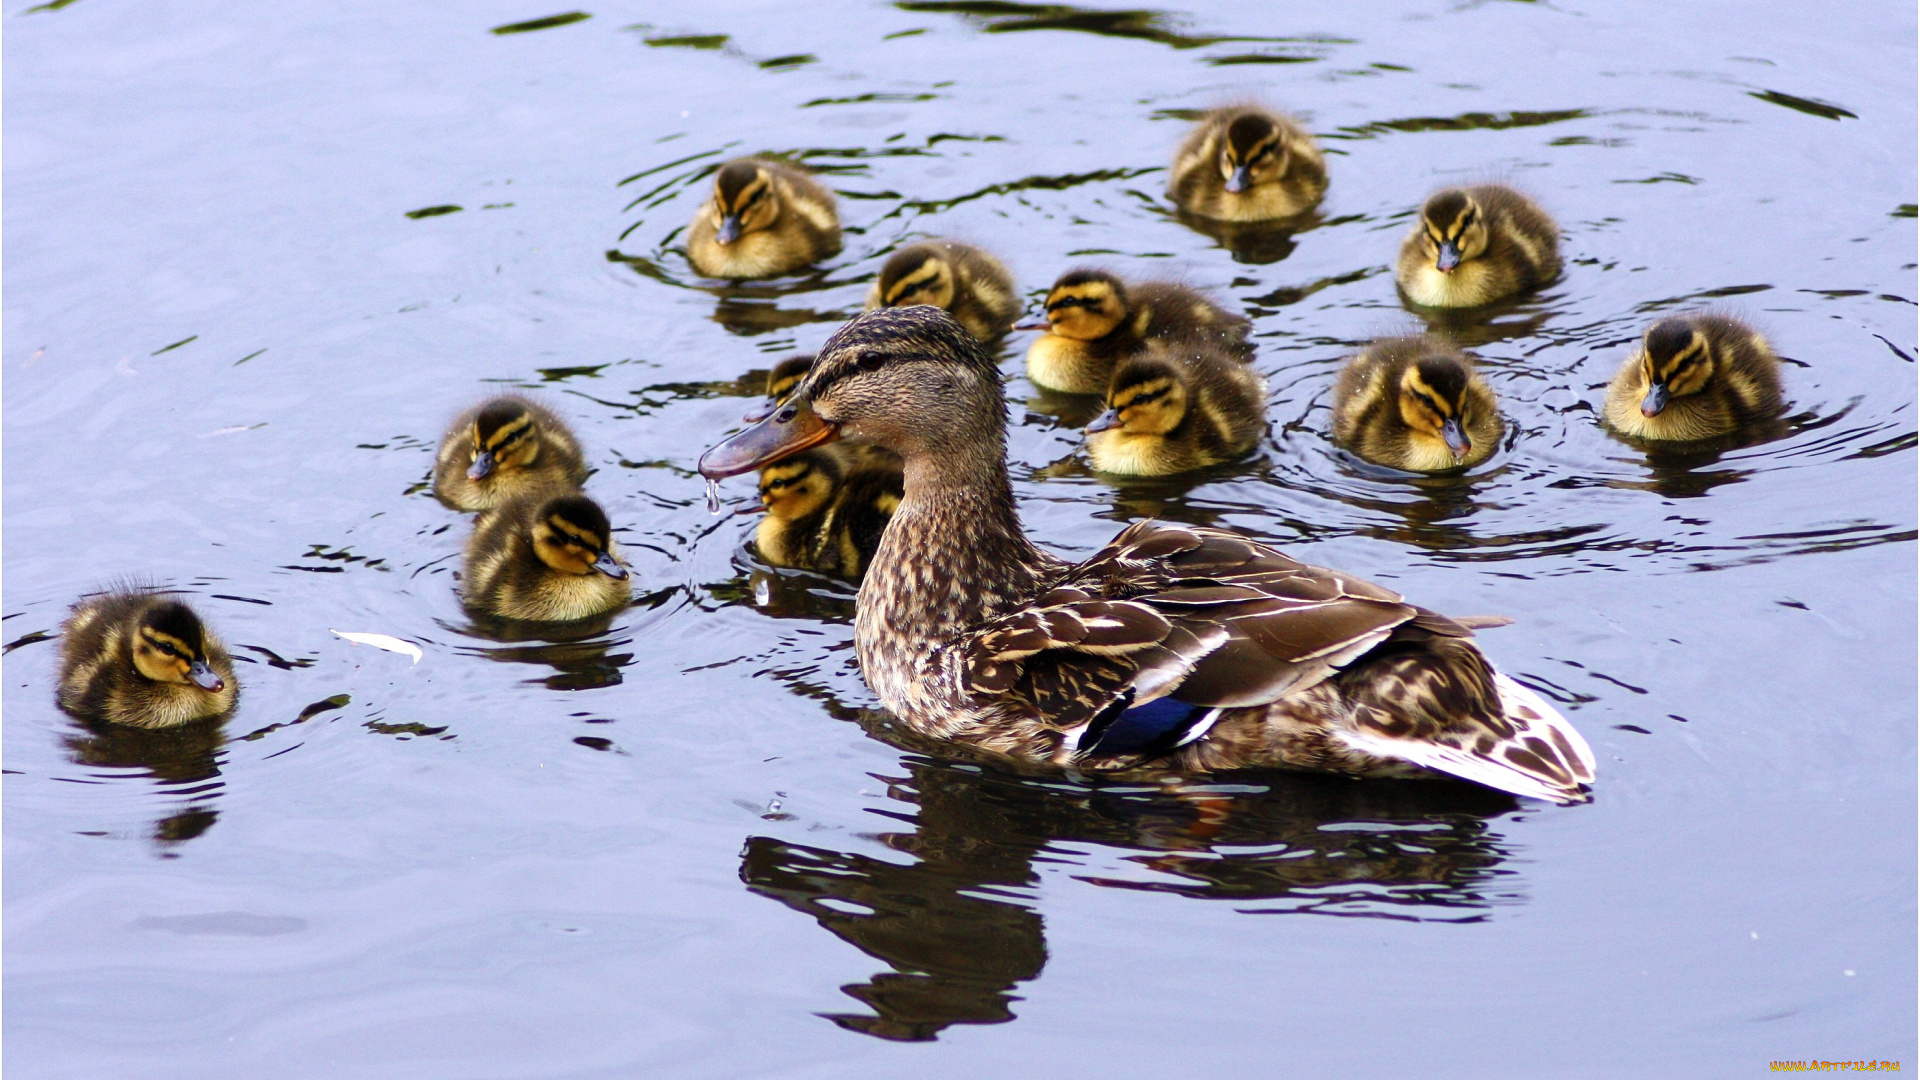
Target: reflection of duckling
[969,283]
[502,450]
[1247,164]
[1412,403]
[825,511]
[766,218]
[544,560]
[1177,407]
[1475,245]
[1695,377]
[143,660]
[1095,320]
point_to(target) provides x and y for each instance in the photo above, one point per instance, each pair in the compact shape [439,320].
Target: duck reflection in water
[960,927]
[184,761]
[580,653]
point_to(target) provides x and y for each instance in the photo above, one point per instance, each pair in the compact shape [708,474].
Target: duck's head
[1253,152]
[170,646]
[1433,400]
[910,380]
[795,487]
[1086,304]
[744,199]
[1453,227]
[505,437]
[1676,360]
[917,275]
[1148,396]
[571,535]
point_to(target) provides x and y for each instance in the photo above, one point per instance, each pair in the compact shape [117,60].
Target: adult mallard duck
[1176,407]
[544,558]
[961,278]
[1413,403]
[1247,163]
[138,658]
[502,450]
[1173,648]
[1095,320]
[1475,245]
[765,218]
[1695,376]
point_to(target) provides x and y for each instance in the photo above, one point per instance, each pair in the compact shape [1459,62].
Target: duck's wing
[1204,617]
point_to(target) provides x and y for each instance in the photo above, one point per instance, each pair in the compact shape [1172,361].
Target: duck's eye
[786,414]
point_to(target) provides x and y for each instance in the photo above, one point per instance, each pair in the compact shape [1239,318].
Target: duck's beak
[1456,437]
[1041,325]
[482,466]
[1108,419]
[1238,181]
[791,428]
[205,677]
[729,230]
[1655,400]
[607,566]
[1449,257]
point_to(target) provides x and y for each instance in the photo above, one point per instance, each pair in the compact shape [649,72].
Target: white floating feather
[381,641]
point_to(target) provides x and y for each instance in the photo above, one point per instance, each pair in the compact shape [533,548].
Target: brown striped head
[917,275]
[745,199]
[1434,401]
[786,375]
[1676,360]
[170,646]
[506,436]
[1086,305]
[1453,228]
[571,535]
[1253,151]
[1148,396]
[798,486]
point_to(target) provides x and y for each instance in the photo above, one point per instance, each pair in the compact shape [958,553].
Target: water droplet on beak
[713,497]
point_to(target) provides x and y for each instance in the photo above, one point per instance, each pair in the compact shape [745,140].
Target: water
[239,312]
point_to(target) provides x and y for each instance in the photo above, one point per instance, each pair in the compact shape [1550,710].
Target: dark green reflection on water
[184,761]
[958,927]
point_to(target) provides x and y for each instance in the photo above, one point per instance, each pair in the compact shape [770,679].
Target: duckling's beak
[729,230]
[607,566]
[1456,437]
[1108,419]
[1238,181]
[1655,400]
[482,466]
[791,428]
[760,412]
[205,677]
[1449,257]
[1041,325]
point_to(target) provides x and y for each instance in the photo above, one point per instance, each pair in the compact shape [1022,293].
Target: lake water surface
[258,255]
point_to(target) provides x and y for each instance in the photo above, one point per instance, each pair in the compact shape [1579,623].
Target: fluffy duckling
[503,449]
[826,511]
[1095,320]
[786,375]
[143,660]
[969,283]
[1695,377]
[1177,407]
[1475,245]
[1246,163]
[765,218]
[544,559]
[1412,403]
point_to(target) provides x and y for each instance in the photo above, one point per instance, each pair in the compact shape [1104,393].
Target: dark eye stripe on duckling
[568,532]
[167,643]
[1146,394]
[925,276]
[785,475]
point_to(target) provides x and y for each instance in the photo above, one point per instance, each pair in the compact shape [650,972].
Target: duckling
[1695,377]
[1475,245]
[1247,163]
[786,375]
[503,449]
[969,283]
[1095,320]
[766,218]
[1413,403]
[1177,407]
[544,558]
[137,658]
[825,511]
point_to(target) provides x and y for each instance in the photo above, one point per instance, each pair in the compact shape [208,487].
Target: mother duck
[1173,648]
